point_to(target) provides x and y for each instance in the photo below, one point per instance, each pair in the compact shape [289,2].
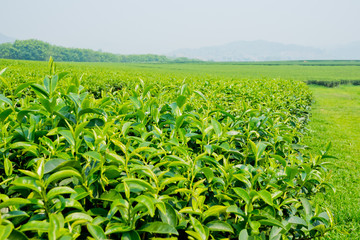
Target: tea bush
[155,159]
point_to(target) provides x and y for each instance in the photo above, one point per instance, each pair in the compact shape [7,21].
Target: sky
[161,26]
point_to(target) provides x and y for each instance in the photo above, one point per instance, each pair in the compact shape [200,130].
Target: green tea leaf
[243,194]
[117,228]
[219,226]
[40,226]
[217,127]
[93,154]
[5,231]
[14,201]
[40,90]
[78,216]
[140,182]
[8,167]
[243,235]
[95,122]
[307,207]
[147,202]
[96,232]
[180,101]
[132,235]
[28,183]
[68,136]
[297,220]
[198,227]
[21,87]
[14,214]
[159,227]
[214,211]
[201,95]
[136,102]
[5,114]
[5,100]
[17,235]
[271,222]
[168,181]
[59,191]
[208,173]
[63,174]
[170,217]
[90,110]
[266,196]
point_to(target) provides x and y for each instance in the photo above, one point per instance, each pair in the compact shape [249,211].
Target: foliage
[204,160]
[41,51]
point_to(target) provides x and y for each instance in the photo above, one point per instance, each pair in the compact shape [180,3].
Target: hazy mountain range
[5,39]
[260,51]
[269,51]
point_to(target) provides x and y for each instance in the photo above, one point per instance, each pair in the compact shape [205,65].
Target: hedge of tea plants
[333,83]
[158,159]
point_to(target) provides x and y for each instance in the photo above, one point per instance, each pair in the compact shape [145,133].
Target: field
[167,151]
[335,118]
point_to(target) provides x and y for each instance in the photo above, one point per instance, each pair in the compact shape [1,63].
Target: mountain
[5,39]
[268,51]
[347,51]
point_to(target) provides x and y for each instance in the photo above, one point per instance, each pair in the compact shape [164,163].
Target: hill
[6,39]
[41,51]
[346,51]
[268,51]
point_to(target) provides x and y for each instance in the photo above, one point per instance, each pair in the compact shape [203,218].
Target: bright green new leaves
[40,226]
[5,231]
[78,216]
[96,232]
[199,232]
[8,167]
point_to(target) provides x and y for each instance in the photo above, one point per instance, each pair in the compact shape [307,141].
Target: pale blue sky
[160,26]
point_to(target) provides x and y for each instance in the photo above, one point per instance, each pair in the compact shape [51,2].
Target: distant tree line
[41,51]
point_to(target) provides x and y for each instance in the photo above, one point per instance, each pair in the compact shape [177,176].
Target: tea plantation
[111,151]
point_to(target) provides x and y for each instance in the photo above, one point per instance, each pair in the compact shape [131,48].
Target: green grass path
[336,118]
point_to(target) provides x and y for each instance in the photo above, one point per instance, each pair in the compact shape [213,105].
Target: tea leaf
[159,227]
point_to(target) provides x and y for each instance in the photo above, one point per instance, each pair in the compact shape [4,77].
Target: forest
[41,51]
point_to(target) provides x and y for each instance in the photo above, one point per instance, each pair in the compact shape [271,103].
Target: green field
[200,150]
[318,70]
[335,118]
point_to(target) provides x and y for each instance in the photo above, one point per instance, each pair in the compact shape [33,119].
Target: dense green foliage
[158,158]
[41,51]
